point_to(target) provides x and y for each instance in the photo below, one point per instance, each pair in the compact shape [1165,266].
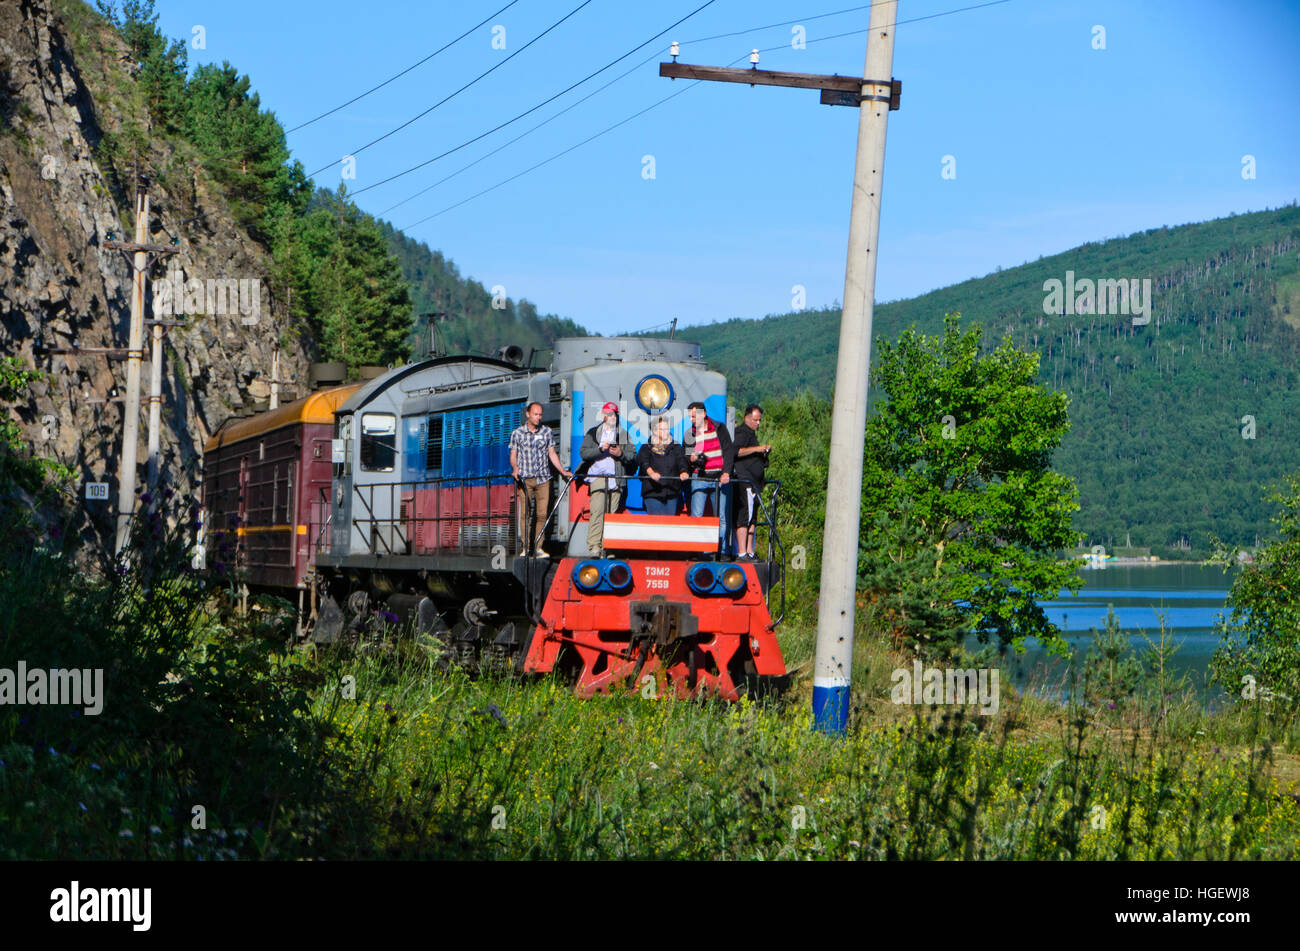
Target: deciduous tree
[964,518]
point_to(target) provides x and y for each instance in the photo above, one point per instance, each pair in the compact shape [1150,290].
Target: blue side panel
[477,449]
[453,427]
[414,429]
[716,407]
[476,443]
[505,421]
[578,429]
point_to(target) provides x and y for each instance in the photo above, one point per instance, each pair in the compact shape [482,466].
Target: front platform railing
[479,517]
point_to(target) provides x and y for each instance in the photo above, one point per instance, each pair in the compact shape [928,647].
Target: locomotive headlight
[654,394]
[714,580]
[586,576]
[619,575]
[701,579]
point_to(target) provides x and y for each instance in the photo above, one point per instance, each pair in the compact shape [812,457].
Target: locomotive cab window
[378,441]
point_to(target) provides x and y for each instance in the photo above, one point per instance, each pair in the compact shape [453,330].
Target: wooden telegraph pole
[834,663]
[142,255]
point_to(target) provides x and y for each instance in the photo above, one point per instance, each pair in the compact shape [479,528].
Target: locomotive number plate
[656,577]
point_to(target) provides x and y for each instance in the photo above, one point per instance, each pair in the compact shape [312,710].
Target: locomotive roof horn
[511,353]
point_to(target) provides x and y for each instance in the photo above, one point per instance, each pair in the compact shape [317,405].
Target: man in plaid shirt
[532,453]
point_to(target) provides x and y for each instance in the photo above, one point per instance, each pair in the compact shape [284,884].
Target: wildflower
[95,766]
[146,498]
[53,751]
[83,807]
[126,834]
[155,830]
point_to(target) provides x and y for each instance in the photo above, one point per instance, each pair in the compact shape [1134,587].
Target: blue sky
[1055,143]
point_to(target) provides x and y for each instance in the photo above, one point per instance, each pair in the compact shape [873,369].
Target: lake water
[1190,597]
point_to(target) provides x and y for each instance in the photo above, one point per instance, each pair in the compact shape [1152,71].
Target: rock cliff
[65,86]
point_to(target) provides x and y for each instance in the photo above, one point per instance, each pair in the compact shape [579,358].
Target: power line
[403,72]
[526,112]
[642,112]
[621,76]
[488,155]
[223,156]
[559,154]
[549,160]
[453,95]
[756,29]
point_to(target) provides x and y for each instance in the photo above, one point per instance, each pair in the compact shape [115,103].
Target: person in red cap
[606,451]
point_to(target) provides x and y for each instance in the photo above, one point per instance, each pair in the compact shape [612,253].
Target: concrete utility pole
[833,668]
[875,98]
[141,252]
[155,396]
[275,376]
[134,345]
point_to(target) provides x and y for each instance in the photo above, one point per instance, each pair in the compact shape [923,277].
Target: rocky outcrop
[61,288]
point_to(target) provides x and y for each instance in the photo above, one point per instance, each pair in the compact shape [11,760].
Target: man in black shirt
[749,468]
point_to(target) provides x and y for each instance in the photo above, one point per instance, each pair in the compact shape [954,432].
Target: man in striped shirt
[712,456]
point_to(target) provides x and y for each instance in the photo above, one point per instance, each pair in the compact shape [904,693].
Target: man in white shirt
[608,449]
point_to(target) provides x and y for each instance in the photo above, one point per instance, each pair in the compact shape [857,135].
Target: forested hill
[1178,426]
[475,321]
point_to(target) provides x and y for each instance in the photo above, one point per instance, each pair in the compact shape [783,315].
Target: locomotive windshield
[378,441]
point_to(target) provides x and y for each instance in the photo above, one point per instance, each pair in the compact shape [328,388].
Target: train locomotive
[391,502]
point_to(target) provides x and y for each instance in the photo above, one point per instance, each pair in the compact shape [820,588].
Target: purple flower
[146,498]
[388,616]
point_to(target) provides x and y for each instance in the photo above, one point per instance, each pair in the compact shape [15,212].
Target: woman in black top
[663,468]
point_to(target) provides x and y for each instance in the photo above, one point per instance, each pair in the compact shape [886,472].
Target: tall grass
[377,753]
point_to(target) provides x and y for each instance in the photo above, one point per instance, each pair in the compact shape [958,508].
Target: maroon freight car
[266,483]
